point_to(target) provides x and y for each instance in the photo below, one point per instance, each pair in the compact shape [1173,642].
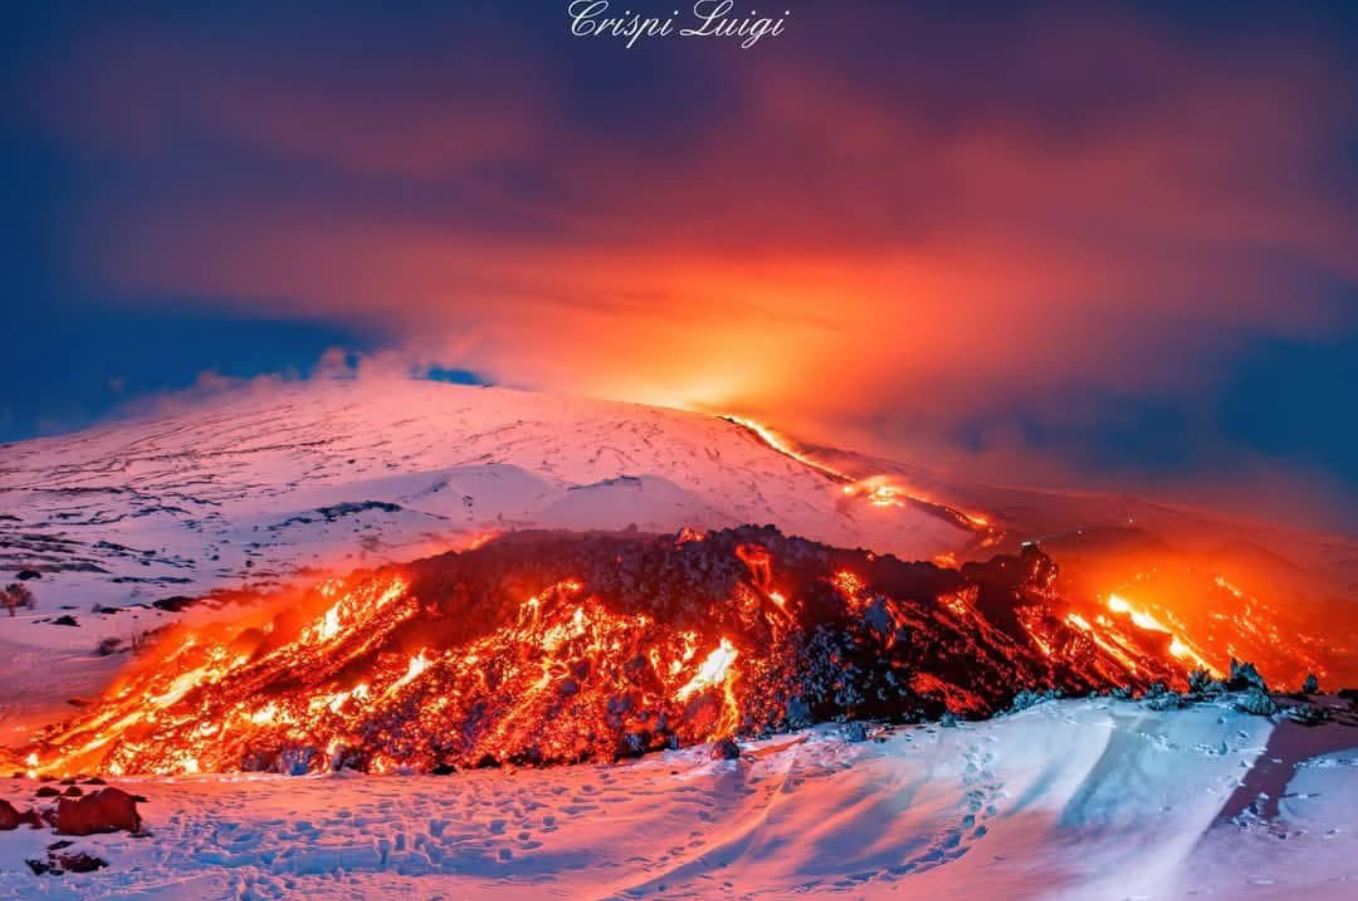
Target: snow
[1071,799]
[232,490]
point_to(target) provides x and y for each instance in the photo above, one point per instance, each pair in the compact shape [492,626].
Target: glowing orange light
[712,671]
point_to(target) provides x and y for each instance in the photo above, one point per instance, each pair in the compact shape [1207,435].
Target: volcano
[552,647]
[403,578]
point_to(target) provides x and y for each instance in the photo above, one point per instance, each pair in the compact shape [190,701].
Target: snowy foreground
[1080,799]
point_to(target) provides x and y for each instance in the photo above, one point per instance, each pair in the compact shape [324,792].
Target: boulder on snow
[726,749]
[69,862]
[11,818]
[106,810]
[176,604]
[78,862]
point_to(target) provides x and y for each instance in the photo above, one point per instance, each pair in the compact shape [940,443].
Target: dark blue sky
[1108,245]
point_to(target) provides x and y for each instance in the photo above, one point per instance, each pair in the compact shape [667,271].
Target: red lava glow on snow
[491,655]
[426,667]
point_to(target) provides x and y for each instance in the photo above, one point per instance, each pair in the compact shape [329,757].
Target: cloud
[892,224]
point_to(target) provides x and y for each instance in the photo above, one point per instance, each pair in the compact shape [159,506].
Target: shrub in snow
[1309,714]
[1310,685]
[1243,676]
[856,732]
[1201,682]
[1025,699]
[1166,701]
[15,596]
[1256,702]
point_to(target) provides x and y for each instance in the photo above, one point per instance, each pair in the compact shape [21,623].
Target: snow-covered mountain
[254,484]
[1084,798]
[260,484]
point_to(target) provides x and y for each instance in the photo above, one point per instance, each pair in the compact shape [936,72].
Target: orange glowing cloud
[830,235]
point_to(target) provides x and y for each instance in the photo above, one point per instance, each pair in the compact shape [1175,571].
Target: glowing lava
[878,491]
[554,648]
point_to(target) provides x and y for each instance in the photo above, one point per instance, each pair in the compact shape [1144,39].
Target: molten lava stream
[879,491]
[545,647]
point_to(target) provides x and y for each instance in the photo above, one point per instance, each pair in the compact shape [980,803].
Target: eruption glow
[553,647]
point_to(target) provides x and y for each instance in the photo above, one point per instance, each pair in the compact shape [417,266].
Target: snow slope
[253,484]
[1076,799]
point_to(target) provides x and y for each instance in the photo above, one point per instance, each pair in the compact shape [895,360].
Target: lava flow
[548,647]
[879,491]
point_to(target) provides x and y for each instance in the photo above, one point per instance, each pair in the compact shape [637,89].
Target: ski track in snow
[1073,799]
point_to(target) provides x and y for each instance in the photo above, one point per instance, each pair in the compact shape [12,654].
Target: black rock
[65,620]
[798,713]
[175,604]
[725,749]
[77,862]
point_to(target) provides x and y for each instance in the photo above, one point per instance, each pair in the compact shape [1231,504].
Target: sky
[1092,245]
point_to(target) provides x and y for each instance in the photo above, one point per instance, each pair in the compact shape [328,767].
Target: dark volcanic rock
[175,604]
[12,818]
[65,620]
[106,810]
[600,645]
[59,862]
[725,749]
[78,862]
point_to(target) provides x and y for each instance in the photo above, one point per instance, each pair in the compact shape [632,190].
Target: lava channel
[554,647]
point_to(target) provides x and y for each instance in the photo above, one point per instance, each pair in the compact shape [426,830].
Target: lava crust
[555,647]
